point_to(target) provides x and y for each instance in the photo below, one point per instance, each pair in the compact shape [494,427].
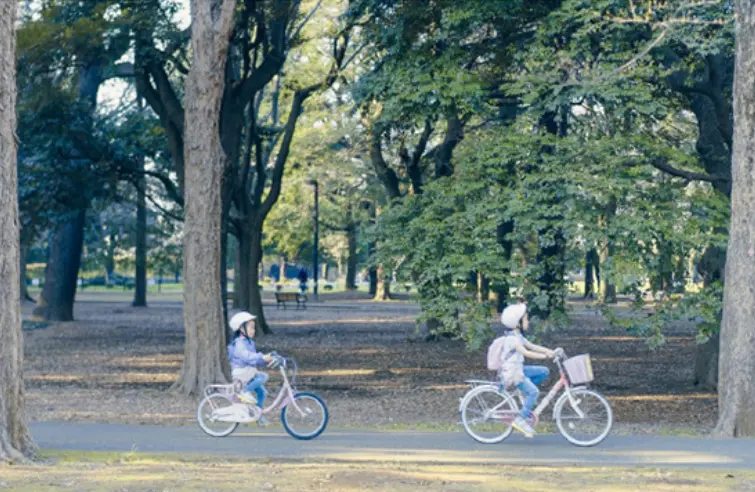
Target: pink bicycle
[304,415]
[583,416]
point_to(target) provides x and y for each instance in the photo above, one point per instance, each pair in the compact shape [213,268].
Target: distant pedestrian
[303,277]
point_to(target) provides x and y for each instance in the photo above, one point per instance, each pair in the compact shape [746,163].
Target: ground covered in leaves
[116,363]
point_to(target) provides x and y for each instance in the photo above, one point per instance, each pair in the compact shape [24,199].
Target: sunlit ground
[136,471]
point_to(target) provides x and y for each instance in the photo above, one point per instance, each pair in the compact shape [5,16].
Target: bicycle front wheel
[487,414]
[306,417]
[207,416]
[586,421]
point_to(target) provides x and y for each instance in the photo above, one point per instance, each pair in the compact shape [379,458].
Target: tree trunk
[502,286]
[140,293]
[711,266]
[736,395]
[255,295]
[383,287]
[24,289]
[241,289]
[110,259]
[56,300]
[15,440]
[608,293]
[483,287]
[204,159]
[590,258]
[351,262]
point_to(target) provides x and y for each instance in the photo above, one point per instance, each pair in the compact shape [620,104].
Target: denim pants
[257,384]
[533,376]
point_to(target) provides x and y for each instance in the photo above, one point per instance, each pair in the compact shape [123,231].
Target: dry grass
[115,363]
[139,472]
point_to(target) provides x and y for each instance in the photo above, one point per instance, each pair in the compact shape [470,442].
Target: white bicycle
[304,415]
[583,416]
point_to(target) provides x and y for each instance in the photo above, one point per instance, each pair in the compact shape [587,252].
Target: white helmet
[513,314]
[238,320]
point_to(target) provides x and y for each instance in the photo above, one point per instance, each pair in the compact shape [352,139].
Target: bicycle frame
[286,395]
[561,384]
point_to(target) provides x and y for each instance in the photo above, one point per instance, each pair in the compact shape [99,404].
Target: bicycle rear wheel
[487,414]
[588,421]
[306,417]
[207,418]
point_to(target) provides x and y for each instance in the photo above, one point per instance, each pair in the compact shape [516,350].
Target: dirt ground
[137,472]
[115,364]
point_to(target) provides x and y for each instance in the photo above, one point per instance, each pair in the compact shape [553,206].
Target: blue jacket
[243,353]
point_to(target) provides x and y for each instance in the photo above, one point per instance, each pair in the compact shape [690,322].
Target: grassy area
[134,471]
[137,471]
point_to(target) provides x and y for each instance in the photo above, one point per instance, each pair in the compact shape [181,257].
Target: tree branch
[688,175]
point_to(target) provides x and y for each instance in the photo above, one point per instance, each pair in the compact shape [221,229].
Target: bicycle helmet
[238,320]
[512,315]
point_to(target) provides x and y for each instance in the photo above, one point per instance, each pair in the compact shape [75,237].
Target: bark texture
[736,385]
[15,442]
[204,361]
[140,294]
[55,303]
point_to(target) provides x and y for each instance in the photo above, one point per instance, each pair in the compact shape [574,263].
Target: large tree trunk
[15,441]
[204,355]
[56,300]
[140,294]
[736,395]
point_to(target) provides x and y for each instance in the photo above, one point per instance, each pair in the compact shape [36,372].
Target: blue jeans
[533,376]
[257,384]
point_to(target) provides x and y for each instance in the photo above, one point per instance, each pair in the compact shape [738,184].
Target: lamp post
[316,268]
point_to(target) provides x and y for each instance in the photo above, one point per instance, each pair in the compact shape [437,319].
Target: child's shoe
[525,428]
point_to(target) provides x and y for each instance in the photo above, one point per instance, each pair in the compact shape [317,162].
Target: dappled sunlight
[604,338]
[666,398]
[339,372]
[129,377]
[341,321]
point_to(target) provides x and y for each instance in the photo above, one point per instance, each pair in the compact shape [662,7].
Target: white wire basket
[579,369]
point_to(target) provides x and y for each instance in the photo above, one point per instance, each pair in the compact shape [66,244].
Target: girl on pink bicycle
[512,348]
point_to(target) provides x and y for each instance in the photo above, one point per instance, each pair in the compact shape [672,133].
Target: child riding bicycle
[509,352]
[244,358]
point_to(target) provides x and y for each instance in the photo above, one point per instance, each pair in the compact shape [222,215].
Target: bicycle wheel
[487,414]
[306,417]
[209,422]
[594,423]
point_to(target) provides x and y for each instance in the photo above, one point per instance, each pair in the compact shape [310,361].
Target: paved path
[438,447]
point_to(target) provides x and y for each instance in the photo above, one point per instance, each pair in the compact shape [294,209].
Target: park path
[403,446]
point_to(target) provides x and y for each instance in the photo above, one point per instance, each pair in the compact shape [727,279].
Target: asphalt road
[404,446]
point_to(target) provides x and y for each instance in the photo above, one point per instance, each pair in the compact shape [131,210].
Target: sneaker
[262,421]
[247,397]
[522,426]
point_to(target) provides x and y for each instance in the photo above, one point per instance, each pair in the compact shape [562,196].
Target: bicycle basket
[579,369]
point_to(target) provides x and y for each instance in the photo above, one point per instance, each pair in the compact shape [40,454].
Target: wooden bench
[284,297]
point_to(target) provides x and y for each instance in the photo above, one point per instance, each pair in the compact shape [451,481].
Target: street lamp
[314,183]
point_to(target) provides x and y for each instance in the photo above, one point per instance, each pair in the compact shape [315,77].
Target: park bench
[284,297]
